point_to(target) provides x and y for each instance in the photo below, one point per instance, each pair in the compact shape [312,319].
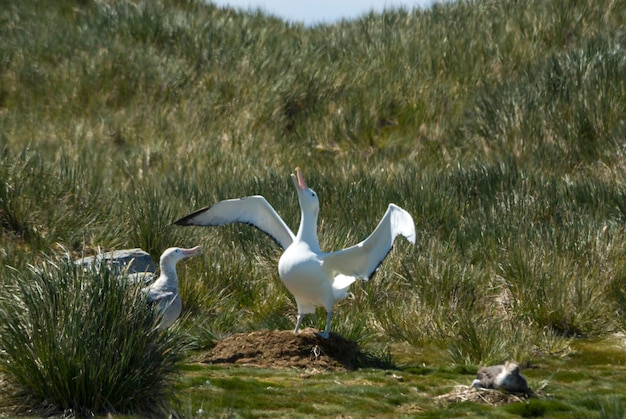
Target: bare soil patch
[284,349]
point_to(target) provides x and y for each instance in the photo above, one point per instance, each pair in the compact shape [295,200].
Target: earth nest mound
[284,349]
[463,393]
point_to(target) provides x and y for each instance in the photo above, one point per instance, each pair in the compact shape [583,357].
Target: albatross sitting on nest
[164,291]
[315,278]
[505,377]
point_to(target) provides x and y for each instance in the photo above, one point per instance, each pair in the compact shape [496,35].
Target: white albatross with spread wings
[315,278]
[164,291]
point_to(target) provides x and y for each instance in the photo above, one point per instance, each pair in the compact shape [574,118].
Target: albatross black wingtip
[187,220]
[181,222]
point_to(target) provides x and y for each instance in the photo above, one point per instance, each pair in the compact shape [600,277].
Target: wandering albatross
[315,278]
[164,291]
[505,377]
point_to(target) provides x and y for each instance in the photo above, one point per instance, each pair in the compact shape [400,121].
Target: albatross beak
[299,180]
[192,252]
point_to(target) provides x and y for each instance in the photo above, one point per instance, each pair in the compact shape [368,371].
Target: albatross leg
[298,323]
[326,331]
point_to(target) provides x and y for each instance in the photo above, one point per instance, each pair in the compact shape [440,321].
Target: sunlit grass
[498,125]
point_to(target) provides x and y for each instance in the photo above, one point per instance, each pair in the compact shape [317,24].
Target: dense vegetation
[499,125]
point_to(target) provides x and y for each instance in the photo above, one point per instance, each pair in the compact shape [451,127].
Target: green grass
[83,343]
[405,391]
[499,125]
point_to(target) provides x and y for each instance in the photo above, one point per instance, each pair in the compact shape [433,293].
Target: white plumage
[315,278]
[164,291]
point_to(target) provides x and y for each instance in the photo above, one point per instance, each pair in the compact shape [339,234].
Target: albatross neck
[168,274]
[308,229]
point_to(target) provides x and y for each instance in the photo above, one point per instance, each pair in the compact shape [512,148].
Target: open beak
[299,180]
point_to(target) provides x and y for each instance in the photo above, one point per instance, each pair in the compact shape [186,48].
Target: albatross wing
[157,295]
[253,210]
[362,260]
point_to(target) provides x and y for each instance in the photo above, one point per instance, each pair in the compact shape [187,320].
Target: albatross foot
[323,335]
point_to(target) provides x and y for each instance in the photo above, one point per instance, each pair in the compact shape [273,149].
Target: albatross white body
[313,277]
[164,291]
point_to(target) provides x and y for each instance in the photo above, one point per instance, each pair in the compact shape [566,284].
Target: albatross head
[309,202]
[172,255]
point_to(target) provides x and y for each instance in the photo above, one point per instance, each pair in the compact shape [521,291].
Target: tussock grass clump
[83,343]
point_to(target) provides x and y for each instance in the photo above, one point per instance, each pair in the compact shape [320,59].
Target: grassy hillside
[499,125]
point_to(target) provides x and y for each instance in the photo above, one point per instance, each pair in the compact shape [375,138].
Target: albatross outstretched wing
[362,260]
[253,210]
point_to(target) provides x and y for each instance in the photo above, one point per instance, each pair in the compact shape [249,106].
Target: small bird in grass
[315,278]
[164,291]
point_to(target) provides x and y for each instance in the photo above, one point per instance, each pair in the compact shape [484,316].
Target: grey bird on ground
[505,377]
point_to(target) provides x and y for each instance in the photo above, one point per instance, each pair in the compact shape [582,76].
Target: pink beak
[299,180]
[193,251]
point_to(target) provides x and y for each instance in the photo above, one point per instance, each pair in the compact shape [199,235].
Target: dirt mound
[283,349]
